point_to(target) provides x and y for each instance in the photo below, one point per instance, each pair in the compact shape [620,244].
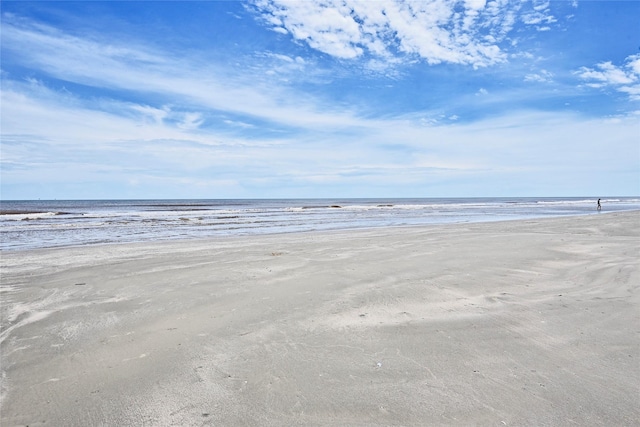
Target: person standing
[599,205]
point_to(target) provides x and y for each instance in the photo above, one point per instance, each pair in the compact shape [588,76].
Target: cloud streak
[142,69]
[398,151]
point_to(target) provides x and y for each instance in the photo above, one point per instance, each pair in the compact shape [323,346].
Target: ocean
[44,224]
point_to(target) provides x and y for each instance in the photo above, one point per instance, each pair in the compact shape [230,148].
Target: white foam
[27,216]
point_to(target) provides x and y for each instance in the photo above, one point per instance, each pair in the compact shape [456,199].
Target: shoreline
[69,223]
[516,322]
[346,229]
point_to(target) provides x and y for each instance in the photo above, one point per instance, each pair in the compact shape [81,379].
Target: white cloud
[633,64]
[280,65]
[239,124]
[141,69]
[543,76]
[36,109]
[625,78]
[540,15]
[157,115]
[454,31]
[401,151]
[191,121]
[169,134]
[459,31]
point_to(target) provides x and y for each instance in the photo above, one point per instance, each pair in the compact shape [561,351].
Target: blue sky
[271,99]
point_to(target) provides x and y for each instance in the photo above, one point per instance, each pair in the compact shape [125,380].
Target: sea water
[41,224]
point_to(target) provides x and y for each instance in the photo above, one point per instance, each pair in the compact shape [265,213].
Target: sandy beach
[517,323]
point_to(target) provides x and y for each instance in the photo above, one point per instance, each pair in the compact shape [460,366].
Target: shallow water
[39,224]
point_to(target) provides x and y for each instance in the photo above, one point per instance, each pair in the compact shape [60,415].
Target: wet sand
[532,322]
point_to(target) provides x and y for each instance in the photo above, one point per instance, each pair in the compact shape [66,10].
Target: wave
[88,222]
[569,202]
[25,216]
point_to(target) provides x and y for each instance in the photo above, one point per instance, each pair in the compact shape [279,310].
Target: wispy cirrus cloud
[123,66]
[150,148]
[543,76]
[436,31]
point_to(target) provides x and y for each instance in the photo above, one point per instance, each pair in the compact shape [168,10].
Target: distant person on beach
[599,206]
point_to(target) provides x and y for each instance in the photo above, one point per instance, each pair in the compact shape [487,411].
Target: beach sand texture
[533,322]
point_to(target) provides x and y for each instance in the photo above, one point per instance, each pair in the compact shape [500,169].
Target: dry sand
[531,322]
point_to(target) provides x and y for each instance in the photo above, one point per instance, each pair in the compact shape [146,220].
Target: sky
[319,99]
